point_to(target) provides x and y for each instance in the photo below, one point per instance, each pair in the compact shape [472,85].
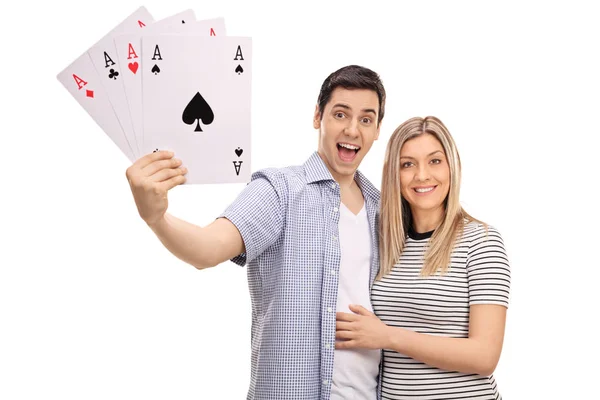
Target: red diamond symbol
[89,93]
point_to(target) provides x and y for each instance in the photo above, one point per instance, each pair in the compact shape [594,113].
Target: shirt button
[329,309]
[325,382]
[334,237]
[333,272]
[327,346]
[335,209]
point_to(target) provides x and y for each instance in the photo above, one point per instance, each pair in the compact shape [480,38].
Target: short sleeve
[488,268]
[258,214]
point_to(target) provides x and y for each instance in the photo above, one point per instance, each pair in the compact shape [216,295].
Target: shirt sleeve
[258,214]
[488,268]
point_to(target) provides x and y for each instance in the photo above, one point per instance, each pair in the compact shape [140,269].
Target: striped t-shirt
[479,273]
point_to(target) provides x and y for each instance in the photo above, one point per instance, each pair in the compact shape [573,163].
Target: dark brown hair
[352,77]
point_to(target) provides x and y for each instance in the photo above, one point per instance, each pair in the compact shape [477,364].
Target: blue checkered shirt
[288,219]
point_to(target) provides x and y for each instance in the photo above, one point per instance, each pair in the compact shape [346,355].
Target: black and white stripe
[479,273]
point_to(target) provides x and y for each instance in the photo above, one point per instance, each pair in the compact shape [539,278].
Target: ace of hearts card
[198,106]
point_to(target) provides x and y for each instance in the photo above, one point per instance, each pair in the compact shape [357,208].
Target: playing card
[209,27]
[129,57]
[82,81]
[198,106]
[105,60]
[84,84]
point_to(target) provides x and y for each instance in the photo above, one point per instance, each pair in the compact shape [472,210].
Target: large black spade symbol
[198,110]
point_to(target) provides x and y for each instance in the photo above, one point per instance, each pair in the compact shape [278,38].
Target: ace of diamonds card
[198,105]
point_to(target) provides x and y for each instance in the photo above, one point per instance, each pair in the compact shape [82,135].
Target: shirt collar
[316,171]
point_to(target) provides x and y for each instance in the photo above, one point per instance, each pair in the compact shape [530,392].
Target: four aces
[177,83]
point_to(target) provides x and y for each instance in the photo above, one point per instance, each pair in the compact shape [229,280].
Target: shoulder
[279,174]
[285,181]
[482,238]
[477,230]
[282,178]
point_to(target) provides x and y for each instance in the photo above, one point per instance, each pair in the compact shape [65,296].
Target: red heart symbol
[133,67]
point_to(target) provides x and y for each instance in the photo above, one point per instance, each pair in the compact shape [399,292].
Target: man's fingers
[172,182]
[156,166]
[148,159]
[134,172]
[167,173]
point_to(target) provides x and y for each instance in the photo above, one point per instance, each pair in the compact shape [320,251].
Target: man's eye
[339,114]
[366,120]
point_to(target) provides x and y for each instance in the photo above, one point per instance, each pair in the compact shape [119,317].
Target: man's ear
[317,118]
[378,128]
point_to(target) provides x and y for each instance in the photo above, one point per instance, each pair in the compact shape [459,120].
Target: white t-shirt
[354,370]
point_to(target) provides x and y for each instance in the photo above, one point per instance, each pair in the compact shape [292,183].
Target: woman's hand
[360,330]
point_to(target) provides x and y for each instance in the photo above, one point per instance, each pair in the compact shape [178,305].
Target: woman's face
[424,174]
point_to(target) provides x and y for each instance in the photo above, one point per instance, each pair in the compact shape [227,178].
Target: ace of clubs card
[198,106]
[105,60]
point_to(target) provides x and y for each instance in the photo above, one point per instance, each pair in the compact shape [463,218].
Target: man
[308,237]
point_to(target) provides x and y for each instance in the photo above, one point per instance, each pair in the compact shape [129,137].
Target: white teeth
[424,190]
[348,146]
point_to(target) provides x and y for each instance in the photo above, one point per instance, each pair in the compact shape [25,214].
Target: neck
[345,181]
[427,220]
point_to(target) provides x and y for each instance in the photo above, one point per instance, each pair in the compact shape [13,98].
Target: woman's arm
[479,353]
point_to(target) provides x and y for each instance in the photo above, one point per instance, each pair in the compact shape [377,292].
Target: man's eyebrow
[369,110]
[346,107]
[341,105]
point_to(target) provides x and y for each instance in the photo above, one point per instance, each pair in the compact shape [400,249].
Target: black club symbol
[113,74]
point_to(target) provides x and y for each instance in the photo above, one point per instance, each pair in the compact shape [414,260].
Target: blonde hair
[395,214]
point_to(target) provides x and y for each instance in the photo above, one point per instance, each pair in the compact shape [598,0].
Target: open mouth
[347,151]
[424,190]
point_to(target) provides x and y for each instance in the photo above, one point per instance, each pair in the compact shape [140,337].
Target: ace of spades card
[199,105]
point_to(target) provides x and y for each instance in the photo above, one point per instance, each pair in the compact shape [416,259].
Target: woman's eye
[406,164]
[436,161]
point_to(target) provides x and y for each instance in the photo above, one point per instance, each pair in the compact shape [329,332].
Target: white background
[93,307]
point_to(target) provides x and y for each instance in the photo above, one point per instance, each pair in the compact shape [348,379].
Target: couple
[354,296]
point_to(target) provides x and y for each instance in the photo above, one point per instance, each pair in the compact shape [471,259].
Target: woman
[441,295]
